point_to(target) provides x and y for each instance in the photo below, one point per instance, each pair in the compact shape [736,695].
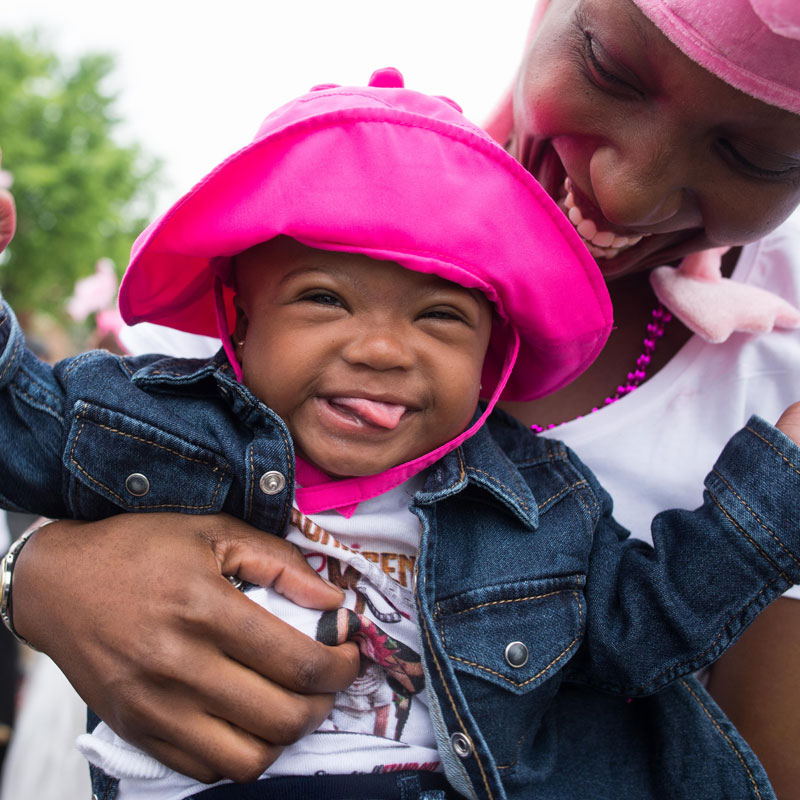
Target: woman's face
[648,143]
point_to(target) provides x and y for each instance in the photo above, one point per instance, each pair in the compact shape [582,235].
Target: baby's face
[369,364]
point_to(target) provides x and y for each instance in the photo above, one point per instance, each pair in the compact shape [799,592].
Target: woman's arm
[135,611]
[756,684]
[756,681]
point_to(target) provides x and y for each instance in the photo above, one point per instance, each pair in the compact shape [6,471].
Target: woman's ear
[239,334]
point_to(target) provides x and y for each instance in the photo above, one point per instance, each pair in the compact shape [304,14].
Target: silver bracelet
[6,577]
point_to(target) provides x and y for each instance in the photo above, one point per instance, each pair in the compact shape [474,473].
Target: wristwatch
[6,576]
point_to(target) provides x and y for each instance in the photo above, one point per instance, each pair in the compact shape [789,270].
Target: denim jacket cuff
[762,464]
[11,343]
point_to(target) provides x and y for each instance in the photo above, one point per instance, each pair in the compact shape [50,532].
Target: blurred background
[109,111]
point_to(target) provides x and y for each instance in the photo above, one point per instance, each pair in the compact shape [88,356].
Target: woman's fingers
[789,422]
[135,612]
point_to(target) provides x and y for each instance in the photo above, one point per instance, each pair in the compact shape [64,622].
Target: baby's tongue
[384,415]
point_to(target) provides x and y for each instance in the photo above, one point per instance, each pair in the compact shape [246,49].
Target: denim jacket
[558,651]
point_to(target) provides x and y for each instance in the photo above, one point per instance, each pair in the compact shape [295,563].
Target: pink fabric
[396,175]
[753,45]
[712,306]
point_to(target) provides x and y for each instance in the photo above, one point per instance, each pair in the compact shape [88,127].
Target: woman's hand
[789,422]
[135,611]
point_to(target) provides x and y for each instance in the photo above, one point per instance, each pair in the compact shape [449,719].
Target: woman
[652,144]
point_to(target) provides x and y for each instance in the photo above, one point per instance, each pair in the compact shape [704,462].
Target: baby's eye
[443,314]
[322,298]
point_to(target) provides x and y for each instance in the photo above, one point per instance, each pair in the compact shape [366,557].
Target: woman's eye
[601,73]
[742,162]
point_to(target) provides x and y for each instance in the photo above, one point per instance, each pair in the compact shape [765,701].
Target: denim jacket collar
[481,463]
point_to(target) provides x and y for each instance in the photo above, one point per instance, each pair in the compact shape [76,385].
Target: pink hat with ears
[396,175]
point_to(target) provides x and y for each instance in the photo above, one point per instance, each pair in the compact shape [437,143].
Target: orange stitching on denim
[758,519]
[776,449]
[454,707]
[124,364]
[541,672]
[159,505]
[494,480]
[35,402]
[11,357]
[139,507]
[252,483]
[724,736]
[501,602]
[78,360]
[747,536]
[119,497]
[517,746]
[148,441]
[576,485]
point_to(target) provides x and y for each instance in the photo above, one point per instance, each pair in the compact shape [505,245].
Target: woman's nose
[643,183]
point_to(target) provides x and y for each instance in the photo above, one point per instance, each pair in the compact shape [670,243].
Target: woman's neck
[633,301]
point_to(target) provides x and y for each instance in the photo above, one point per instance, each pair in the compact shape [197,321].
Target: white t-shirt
[652,449]
[380,723]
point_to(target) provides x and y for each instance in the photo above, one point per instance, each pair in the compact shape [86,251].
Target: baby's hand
[789,422]
[8,218]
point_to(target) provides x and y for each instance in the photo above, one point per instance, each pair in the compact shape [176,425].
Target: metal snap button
[516,655]
[462,744]
[272,482]
[137,484]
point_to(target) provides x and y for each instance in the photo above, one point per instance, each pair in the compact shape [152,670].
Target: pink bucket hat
[396,175]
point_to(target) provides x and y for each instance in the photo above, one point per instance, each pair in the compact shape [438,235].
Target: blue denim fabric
[518,544]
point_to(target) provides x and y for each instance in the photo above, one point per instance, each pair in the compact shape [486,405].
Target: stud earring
[240,343]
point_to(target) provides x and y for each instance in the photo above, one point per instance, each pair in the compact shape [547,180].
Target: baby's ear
[239,334]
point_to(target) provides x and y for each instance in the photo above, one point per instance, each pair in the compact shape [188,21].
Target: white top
[5,536]
[652,449]
[380,723]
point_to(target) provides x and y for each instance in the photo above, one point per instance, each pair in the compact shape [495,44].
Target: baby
[381,264]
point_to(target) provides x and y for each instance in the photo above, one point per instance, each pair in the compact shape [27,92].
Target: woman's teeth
[601,244]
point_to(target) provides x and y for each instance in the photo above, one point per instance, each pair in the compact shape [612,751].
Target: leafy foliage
[80,195]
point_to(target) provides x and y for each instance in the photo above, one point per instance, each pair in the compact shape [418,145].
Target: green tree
[80,194]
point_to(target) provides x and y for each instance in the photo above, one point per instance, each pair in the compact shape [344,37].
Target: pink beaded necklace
[659,318]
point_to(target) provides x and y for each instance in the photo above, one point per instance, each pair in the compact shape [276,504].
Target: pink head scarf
[754,45]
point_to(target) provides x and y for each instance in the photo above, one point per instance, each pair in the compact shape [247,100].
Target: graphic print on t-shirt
[376,611]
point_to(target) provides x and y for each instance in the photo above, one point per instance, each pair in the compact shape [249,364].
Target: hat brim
[432,196]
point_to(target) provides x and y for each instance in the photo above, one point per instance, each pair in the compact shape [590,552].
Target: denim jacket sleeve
[656,613]
[32,425]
